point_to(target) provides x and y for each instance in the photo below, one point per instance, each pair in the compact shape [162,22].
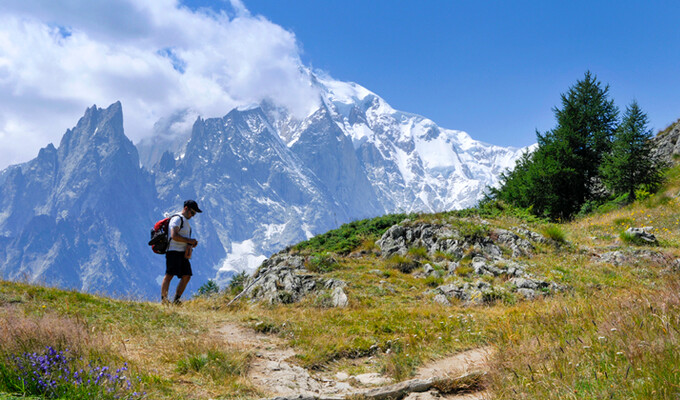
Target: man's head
[191,208]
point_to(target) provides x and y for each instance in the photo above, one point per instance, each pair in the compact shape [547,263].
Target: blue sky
[494,69]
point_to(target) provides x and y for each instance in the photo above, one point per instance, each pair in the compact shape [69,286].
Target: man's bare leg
[183,281]
[165,287]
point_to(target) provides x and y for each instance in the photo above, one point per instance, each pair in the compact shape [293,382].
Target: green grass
[218,364]
[402,264]
[350,236]
[555,232]
[614,332]
[322,263]
[630,238]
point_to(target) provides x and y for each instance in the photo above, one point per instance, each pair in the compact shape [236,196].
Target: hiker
[179,251]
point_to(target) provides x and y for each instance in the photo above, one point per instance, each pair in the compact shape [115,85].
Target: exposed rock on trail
[274,373]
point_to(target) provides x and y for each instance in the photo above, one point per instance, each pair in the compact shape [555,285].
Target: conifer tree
[556,180]
[630,163]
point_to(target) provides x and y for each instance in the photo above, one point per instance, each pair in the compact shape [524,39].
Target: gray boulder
[643,234]
[339,298]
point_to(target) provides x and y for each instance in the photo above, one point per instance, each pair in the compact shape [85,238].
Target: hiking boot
[177,302]
[165,301]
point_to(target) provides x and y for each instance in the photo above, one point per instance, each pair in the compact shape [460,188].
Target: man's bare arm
[174,235]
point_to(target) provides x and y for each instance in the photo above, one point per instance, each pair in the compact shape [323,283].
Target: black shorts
[176,264]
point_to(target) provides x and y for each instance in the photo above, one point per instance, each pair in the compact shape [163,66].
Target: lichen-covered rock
[520,247]
[644,234]
[339,298]
[531,235]
[635,257]
[441,299]
[283,278]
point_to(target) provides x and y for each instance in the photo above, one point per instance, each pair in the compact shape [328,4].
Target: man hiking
[179,252]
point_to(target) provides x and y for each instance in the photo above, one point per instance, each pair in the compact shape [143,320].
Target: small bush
[630,238]
[322,263]
[470,230]
[434,281]
[641,194]
[464,270]
[208,289]
[285,297]
[402,263]
[323,300]
[237,283]
[555,233]
[418,253]
[399,366]
[266,326]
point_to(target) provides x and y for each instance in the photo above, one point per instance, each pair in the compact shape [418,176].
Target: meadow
[613,333]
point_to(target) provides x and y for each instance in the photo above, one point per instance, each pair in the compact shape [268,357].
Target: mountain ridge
[266,178]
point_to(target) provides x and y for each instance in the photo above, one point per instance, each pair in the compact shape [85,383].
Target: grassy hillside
[613,333]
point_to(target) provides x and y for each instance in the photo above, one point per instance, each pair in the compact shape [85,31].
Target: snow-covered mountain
[264,178]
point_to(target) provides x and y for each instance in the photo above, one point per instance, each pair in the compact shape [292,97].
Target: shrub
[418,253]
[433,281]
[464,270]
[402,263]
[642,193]
[472,231]
[399,365]
[630,238]
[266,326]
[208,289]
[323,300]
[321,262]
[238,283]
[555,233]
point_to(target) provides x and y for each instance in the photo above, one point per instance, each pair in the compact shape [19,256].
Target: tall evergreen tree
[556,180]
[630,163]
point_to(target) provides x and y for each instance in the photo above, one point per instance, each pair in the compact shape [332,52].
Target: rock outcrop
[473,262]
[284,278]
[666,145]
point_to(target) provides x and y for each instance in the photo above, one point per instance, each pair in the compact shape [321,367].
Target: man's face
[189,212]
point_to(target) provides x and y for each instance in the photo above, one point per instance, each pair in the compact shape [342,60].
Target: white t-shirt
[176,221]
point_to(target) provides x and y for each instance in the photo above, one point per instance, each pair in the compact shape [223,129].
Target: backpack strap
[181,225]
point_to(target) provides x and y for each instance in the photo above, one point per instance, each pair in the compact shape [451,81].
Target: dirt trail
[275,374]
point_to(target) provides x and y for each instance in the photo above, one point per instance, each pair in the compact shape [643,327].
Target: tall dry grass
[623,346]
[20,333]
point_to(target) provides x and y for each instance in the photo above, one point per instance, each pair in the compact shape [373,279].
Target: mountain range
[78,215]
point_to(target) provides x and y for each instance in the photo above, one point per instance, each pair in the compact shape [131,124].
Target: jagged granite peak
[264,178]
[239,169]
[75,212]
[330,155]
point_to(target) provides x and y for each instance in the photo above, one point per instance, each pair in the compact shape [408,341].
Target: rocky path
[278,377]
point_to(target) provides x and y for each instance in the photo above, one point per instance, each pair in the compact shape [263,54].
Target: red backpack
[160,236]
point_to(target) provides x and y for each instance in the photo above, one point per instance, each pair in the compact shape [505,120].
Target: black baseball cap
[192,205]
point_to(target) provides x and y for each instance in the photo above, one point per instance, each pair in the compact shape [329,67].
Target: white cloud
[156,57]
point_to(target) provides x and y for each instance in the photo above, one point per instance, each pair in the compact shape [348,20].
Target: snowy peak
[265,179]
